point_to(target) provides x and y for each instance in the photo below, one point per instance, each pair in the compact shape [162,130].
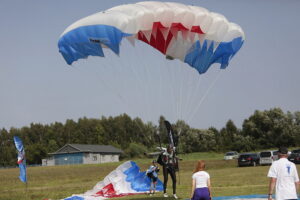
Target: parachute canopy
[126,179]
[189,33]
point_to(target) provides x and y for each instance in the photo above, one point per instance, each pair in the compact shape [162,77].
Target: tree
[135,150]
[228,134]
[8,153]
[218,139]
[270,128]
[162,131]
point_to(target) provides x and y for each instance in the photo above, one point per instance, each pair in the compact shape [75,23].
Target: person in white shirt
[283,174]
[201,188]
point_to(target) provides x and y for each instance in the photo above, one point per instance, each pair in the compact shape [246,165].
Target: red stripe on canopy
[161,36]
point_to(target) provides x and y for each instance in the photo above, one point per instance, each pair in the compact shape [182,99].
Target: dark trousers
[166,171]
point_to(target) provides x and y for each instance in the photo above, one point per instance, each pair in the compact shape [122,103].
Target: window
[296,151]
[94,158]
[230,154]
[265,154]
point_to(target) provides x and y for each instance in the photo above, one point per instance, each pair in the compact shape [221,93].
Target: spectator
[201,188]
[283,174]
[152,174]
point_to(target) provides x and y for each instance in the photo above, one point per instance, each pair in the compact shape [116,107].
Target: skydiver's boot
[166,195]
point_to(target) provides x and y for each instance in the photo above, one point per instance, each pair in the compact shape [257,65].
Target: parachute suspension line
[180,66]
[177,90]
[103,82]
[192,92]
[141,89]
[204,96]
[159,88]
[137,76]
[130,64]
[172,100]
[143,85]
[116,71]
[160,91]
[116,68]
[180,92]
[174,89]
[148,94]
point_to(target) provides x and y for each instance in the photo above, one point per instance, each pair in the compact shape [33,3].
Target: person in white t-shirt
[200,183]
[283,174]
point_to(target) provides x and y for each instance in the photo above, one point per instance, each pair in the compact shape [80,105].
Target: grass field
[58,182]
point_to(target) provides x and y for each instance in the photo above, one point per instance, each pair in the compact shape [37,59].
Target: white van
[267,157]
[231,155]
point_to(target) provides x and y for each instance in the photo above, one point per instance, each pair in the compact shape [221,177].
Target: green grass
[202,156]
[58,182]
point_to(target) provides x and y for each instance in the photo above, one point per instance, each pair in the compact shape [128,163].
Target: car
[275,155]
[248,159]
[231,155]
[295,156]
[268,157]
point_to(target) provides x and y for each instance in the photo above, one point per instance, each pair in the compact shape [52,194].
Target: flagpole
[26,183]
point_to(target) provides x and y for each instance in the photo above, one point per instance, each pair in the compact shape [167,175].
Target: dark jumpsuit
[169,168]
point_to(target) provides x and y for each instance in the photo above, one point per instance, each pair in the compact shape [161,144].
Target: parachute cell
[189,33]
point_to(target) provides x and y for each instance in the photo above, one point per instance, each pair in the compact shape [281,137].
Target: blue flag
[21,158]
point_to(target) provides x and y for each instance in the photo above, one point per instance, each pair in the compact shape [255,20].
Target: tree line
[262,130]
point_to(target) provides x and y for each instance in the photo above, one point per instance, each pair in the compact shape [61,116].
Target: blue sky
[37,86]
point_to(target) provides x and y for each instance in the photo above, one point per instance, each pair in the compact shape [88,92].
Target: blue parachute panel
[87,40]
[74,198]
[139,181]
[201,58]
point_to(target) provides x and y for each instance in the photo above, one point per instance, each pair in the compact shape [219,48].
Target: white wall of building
[96,158]
[48,161]
[88,158]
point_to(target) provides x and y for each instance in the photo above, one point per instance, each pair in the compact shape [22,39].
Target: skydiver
[170,165]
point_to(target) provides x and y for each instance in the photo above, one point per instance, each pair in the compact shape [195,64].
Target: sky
[37,86]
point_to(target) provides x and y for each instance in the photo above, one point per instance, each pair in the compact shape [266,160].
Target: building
[83,154]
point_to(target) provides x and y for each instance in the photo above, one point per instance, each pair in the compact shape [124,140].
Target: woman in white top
[201,183]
